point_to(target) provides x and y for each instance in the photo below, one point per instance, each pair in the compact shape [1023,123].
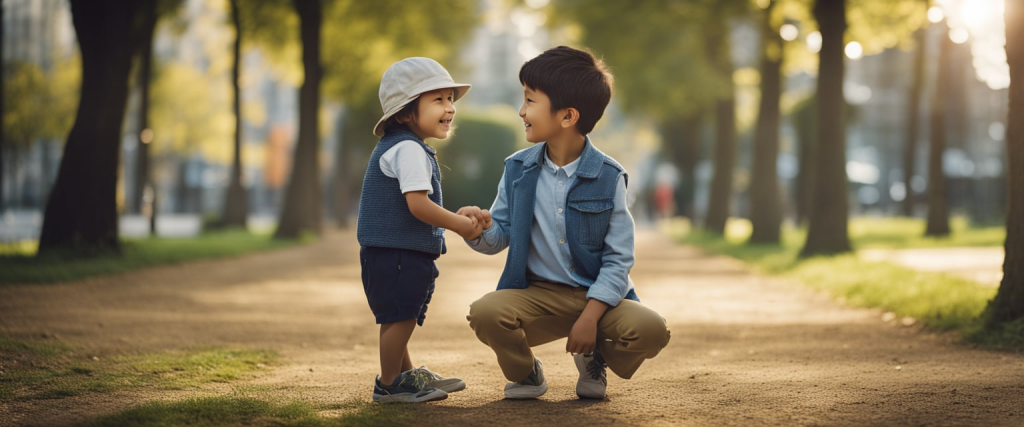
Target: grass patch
[938,300]
[53,370]
[18,263]
[902,233]
[245,410]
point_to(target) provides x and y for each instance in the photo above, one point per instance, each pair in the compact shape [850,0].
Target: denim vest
[384,217]
[589,201]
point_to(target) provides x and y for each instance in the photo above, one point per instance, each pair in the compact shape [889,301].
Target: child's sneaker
[435,380]
[593,378]
[404,389]
[532,387]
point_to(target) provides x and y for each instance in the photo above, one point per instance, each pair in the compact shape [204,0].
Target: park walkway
[745,350]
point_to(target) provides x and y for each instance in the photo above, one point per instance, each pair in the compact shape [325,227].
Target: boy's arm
[613,281]
[495,238]
[429,212]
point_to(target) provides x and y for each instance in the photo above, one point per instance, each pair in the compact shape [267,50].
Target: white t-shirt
[410,163]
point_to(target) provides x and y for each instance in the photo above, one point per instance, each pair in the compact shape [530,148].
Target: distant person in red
[664,199]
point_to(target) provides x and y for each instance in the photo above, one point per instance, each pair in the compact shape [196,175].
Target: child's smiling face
[541,123]
[435,111]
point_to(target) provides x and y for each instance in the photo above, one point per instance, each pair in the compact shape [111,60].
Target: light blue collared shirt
[549,259]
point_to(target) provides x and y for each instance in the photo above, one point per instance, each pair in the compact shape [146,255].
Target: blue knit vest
[384,216]
[590,201]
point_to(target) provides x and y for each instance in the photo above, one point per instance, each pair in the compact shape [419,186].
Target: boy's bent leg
[636,333]
[510,321]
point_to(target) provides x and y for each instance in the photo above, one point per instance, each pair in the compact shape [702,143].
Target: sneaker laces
[422,376]
[595,368]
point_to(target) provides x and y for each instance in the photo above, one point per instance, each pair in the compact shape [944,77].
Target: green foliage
[40,104]
[938,300]
[53,370]
[473,160]
[663,71]
[241,410]
[17,266]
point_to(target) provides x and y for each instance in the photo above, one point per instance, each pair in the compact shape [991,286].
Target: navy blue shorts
[398,282]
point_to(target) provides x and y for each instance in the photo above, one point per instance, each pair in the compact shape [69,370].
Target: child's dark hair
[571,78]
[402,116]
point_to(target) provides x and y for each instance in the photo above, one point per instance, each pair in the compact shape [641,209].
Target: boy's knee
[652,330]
[486,311]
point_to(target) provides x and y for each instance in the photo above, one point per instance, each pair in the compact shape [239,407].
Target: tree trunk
[938,203]
[302,203]
[725,138]
[765,209]
[342,175]
[143,168]
[680,136]
[81,214]
[1008,305]
[236,206]
[3,205]
[913,122]
[827,231]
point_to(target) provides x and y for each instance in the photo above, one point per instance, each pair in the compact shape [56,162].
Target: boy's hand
[471,230]
[479,216]
[583,337]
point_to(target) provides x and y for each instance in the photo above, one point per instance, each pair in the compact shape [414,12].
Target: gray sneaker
[593,378]
[532,387]
[405,390]
[435,380]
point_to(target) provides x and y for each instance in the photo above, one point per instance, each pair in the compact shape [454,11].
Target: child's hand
[471,230]
[479,216]
[583,337]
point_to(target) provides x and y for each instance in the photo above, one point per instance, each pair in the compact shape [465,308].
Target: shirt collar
[569,168]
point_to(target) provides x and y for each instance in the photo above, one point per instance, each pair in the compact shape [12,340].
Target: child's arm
[429,212]
[495,238]
[612,281]
[583,336]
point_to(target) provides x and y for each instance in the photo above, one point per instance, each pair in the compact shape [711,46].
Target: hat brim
[460,91]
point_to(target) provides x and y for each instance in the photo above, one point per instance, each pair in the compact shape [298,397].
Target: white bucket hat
[406,80]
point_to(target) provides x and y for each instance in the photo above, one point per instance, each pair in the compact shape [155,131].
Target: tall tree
[236,206]
[827,231]
[913,119]
[681,139]
[765,209]
[81,214]
[3,145]
[143,172]
[302,210]
[1008,305]
[938,203]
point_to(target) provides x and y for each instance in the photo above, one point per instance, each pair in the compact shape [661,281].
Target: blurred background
[715,112]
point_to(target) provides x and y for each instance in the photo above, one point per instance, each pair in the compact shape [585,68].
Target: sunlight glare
[788,32]
[854,50]
[814,42]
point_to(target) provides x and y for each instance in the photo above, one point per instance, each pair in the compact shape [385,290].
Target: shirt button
[561,241]
[559,183]
[559,210]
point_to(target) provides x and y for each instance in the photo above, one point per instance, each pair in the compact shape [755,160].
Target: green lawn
[244,410]
[938,300]
[53,370]
[19,265]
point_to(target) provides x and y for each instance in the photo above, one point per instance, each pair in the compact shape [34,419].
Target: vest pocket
[594,216]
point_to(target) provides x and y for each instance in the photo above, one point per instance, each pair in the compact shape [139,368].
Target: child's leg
[636,333]
[394,351]
[510,321]
[407,361]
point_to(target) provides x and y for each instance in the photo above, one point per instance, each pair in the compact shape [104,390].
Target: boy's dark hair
[407,112]
[571,78]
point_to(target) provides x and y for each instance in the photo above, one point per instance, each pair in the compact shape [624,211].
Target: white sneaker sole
[437,394]
[526,391]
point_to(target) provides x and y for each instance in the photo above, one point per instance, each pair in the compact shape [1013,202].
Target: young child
[402,222]
[561,211]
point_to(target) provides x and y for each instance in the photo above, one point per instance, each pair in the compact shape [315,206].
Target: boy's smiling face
[541,123]
[435,111]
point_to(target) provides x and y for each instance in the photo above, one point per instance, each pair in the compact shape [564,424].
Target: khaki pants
[510,321]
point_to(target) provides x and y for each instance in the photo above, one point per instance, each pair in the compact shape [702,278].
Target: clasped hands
[478,221]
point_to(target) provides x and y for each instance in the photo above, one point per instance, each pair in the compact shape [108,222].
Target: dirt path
[745,350]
